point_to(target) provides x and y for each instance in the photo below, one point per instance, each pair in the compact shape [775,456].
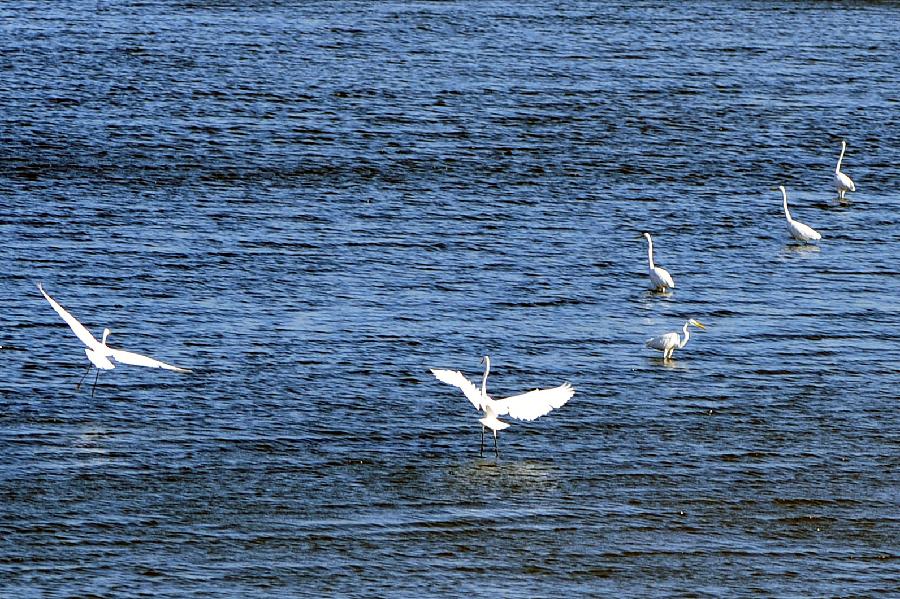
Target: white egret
[669,342]
[842,181]
[798,230]
[527,406]
[659,276]
[99,353]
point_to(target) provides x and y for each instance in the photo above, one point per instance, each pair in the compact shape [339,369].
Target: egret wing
[534,404]
[844,181]
[82,333]
[666,277]
[457,379]
[663,342]
[127,357]
[803,232]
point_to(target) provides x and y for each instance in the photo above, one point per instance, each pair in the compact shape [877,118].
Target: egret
[798,230]
[527,406]
[669,342]
[99,353]
[659,276]
[842,181]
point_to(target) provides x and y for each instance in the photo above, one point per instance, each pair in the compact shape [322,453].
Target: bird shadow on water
[800,249]
[510,470]
[834,204]
[664,293]
[671,364]
[93,446]
[651,297]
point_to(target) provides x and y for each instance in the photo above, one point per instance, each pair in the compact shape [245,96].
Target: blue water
[311,204]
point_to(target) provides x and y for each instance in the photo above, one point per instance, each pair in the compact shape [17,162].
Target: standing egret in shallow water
[660,278]
[526,406]
[669,342]
[98,352]
[842,181]
[798,230]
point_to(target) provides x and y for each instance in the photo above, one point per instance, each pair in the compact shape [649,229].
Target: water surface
[311,204]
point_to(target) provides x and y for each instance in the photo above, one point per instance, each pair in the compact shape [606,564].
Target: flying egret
[98,352]
[798,230]
[669,342]
[659,276]
[527,406]
[842,181]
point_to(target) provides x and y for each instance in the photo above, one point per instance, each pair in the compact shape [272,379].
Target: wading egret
[526,406]
[798,230]
[669,342]
[842,181]
[99,353]
[660,278]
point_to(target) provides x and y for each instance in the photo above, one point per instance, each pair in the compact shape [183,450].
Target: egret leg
[94,388]
[496,447]
[482,440]
[81,380]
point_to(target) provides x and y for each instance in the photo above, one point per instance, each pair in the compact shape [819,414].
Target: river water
[311,204]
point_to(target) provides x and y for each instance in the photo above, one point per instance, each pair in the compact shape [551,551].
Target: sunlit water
[312,204]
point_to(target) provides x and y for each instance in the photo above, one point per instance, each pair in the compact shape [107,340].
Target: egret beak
[699,324]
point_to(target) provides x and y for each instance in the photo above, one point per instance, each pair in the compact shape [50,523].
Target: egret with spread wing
[798,230]
[101,355]
[669,342]
[527,406]
[842,181]
[660,278]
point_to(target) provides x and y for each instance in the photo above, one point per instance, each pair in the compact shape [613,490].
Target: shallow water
[311,204]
